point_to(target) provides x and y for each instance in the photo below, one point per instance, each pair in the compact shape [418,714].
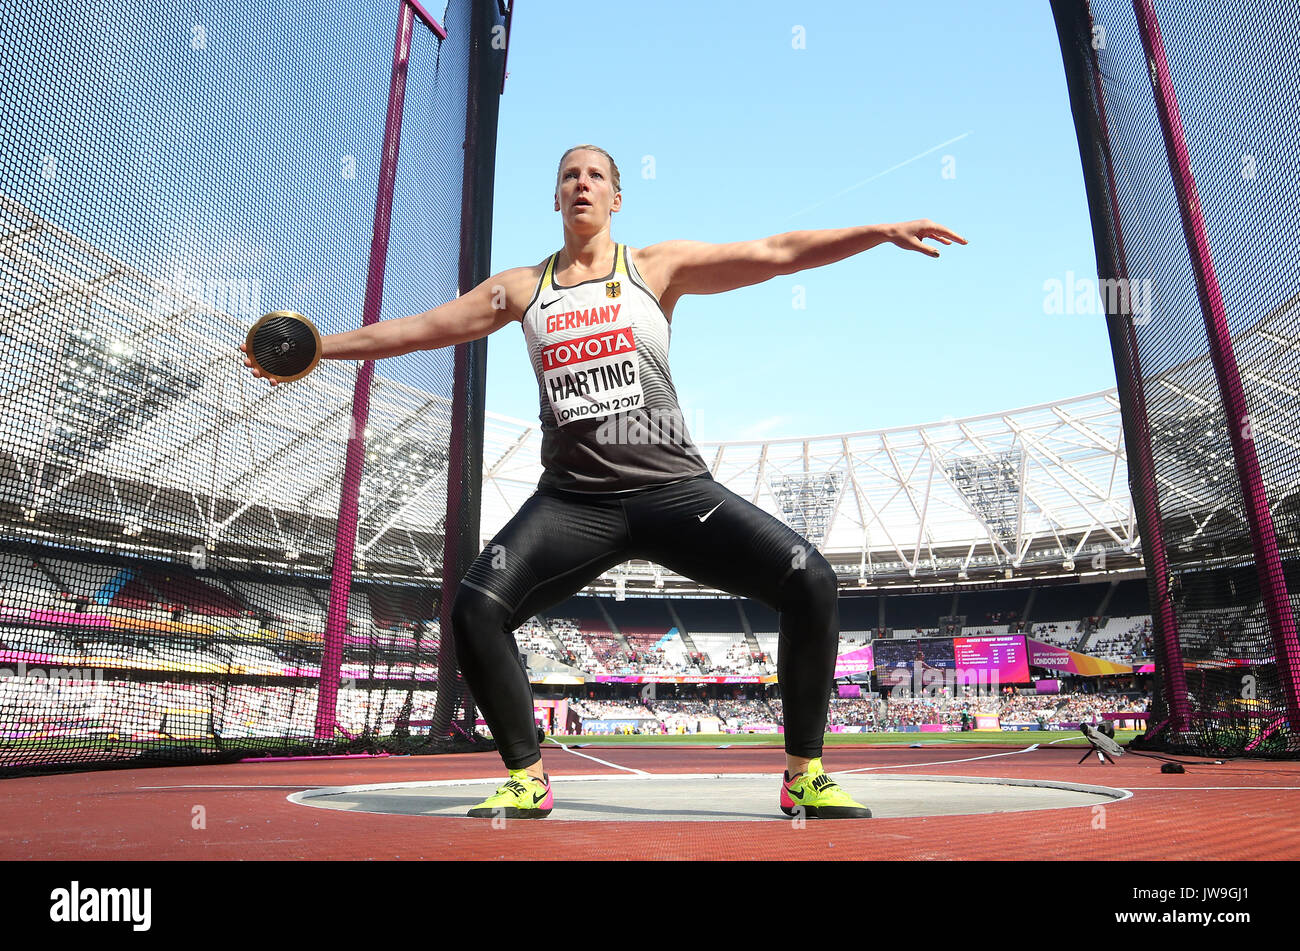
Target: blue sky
[725,130]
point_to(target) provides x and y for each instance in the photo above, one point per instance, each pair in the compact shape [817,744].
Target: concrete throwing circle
[702,797]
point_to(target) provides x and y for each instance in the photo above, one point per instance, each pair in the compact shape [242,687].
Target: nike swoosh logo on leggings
[710,511]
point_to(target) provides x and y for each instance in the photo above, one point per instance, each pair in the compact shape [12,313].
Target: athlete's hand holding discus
[284,346]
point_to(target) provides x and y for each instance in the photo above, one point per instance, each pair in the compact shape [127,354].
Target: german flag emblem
[612,289]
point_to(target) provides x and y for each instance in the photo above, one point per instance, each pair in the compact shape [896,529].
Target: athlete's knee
[474,616]
[811,582]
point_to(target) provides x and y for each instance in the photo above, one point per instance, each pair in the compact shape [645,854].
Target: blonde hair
[613,166]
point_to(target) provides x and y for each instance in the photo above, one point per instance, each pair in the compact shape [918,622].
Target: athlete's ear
[557,199]
[617,203]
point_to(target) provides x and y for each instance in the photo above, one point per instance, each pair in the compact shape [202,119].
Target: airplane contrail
[892,168]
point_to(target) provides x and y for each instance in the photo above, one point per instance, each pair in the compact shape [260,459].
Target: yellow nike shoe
[815,795]
[519,797]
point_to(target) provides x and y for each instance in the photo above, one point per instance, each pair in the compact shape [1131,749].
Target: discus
[284,345]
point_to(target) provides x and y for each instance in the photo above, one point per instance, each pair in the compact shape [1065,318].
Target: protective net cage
[168,524]
[1187,121]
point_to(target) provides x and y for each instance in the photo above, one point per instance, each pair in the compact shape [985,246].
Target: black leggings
[558,542]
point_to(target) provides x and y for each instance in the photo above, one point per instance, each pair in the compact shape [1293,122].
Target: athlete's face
[585,196]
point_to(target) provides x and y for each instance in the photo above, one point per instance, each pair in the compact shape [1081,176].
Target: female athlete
[622,478]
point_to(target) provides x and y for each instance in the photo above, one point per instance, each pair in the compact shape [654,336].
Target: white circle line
[301,798]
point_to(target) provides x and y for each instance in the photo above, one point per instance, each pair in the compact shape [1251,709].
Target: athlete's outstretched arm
[695,267]
[482,311]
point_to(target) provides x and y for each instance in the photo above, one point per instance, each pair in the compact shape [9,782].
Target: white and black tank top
[609,413]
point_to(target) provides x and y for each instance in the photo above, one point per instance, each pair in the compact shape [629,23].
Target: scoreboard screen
[1001,656]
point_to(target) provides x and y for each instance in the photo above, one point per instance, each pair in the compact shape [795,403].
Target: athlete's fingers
[925,228]
[939,231]
[248,362]
[260,375]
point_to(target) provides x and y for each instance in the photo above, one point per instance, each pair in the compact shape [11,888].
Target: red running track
[1237,811]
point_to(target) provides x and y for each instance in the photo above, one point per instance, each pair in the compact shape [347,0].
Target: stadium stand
[83,580]
[24,582]
[859,612]
[707,616]
[908,614]
[1064,603]
[282,602]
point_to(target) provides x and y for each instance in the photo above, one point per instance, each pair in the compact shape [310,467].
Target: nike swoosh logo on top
[556,301]
[710,511]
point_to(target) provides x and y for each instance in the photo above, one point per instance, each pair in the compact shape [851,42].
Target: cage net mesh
[1234,72]
[167,522]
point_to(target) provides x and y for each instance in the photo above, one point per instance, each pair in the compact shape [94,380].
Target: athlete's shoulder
[527,274]
[668,250]
[645,256]
[519,285]
[651,264]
